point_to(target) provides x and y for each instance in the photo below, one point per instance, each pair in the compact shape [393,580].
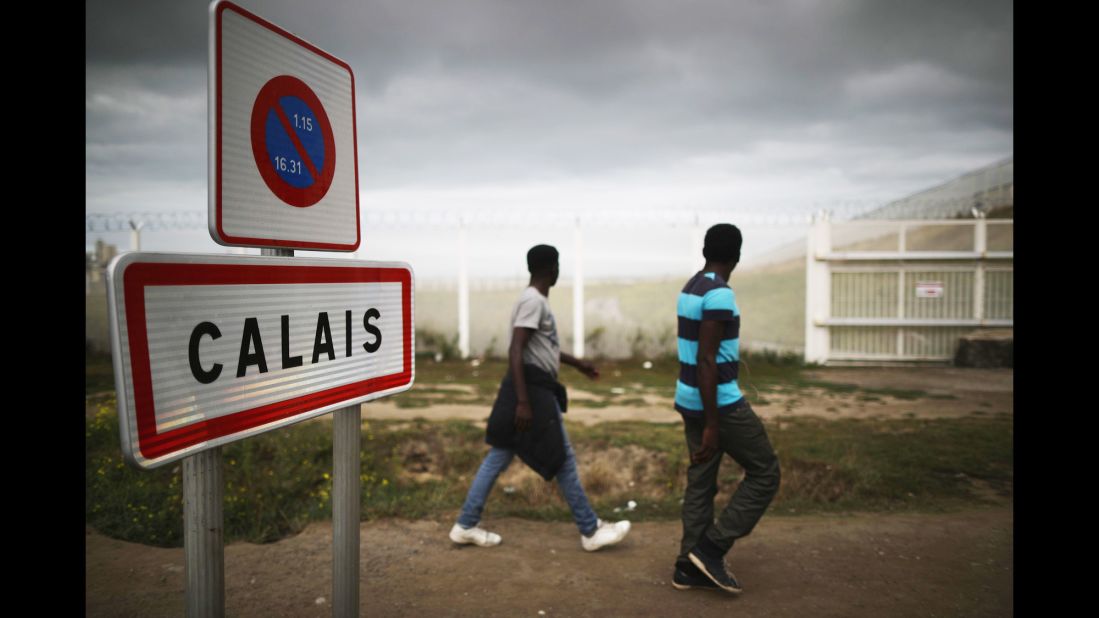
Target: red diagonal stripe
[297,142]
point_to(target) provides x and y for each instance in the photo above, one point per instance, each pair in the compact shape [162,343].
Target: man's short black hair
[541,258]
[722,243]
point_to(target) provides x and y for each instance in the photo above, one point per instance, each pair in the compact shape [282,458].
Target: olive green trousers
[742,437]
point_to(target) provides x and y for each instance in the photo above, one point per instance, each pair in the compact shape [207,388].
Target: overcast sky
[521,105]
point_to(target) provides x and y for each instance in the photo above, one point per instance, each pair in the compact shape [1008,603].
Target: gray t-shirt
[542,349]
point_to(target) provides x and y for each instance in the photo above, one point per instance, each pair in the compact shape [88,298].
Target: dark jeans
[742,436]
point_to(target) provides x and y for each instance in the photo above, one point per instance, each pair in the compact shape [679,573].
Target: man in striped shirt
[717,419]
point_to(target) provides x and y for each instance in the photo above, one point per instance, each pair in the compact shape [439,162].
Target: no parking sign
[283,155]
[292,141]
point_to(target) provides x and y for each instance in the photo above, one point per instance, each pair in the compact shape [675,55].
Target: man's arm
[709,338]
[586,367]
[523,414]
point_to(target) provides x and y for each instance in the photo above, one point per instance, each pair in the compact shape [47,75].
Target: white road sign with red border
[283,154]
[929,289]
[210,349]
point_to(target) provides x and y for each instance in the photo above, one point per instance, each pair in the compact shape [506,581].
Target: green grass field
[279,481]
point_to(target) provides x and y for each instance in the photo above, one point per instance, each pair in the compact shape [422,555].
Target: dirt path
[951,393]
[865,565]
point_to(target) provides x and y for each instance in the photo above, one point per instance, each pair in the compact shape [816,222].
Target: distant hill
[990,190]
[987,189]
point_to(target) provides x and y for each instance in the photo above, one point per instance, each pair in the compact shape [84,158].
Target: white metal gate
[879,290]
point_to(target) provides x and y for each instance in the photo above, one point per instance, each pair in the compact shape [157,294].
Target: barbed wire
[145,221]
[620,217]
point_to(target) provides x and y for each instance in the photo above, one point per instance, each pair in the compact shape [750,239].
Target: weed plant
[277,482]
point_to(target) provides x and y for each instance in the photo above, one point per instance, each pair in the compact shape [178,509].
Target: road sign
[283,154]
[292,141]
[210,349]
[929,289]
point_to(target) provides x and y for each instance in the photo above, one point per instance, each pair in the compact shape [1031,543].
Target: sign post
[212,349]
[204,534]
[283,159]
[346,494]
[290,180]
[929,289]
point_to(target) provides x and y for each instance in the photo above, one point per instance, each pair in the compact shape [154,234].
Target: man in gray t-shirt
[534,342]
[532,312]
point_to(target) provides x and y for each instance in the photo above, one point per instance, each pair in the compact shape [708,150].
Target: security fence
[904,290]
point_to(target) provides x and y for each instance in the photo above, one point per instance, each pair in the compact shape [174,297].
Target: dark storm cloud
[494,91]
[145,32]
[750,48]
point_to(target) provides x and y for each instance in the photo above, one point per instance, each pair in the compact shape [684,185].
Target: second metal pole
[346,493]
[463,290]
[578,291]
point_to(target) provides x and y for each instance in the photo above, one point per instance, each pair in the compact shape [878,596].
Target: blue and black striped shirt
[707,297]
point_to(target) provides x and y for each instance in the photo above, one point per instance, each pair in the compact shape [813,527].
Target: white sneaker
[474,535]
[606,534]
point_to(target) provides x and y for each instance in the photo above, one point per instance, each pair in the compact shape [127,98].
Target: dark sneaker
[688,576]
[714,569]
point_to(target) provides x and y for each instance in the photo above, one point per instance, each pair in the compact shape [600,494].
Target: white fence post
[463,290]
[902,248]
[698,241]
[980,245]
[578,291]
[818,290]
[135,235]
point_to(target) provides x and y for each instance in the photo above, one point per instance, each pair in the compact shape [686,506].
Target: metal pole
[818,290]
[698,241]
[203,534]
[902,294]
[135,235]
[346,492]
[902,248]
[203,523]
[980,244]
[463,290]
[578,292]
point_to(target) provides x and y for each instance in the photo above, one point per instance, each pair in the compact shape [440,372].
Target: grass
[277,482]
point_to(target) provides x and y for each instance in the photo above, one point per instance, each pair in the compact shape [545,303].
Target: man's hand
[524,417]
[587,368]
[709,446]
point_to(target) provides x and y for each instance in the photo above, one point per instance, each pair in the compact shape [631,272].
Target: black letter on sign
[373,330]
[251,336]
[205,377]
[287,360]
[347,332]
[322,327]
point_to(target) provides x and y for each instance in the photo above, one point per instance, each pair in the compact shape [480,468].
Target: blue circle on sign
[292,142]
[285,156]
